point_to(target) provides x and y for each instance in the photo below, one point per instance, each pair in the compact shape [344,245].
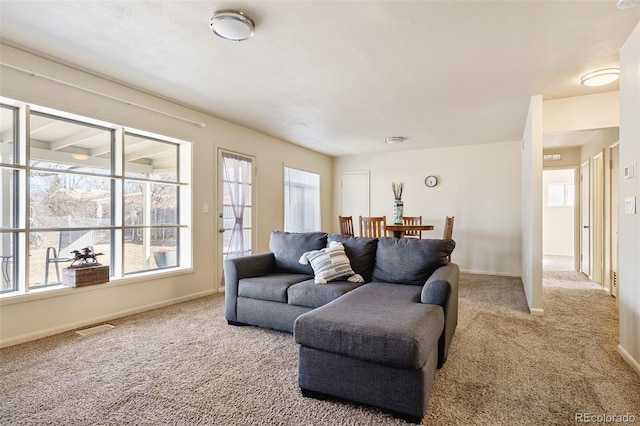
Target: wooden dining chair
[412,220]
[346,225]
[373,226]
[448,230]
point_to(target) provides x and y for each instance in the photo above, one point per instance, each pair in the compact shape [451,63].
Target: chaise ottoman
[376,345]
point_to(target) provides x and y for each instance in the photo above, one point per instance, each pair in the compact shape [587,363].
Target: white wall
[478,184]
[558,224]
[531,160]
[630,224]
[35,315]
[596,111]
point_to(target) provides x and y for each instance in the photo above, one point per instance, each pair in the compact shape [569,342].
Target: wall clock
[431,181]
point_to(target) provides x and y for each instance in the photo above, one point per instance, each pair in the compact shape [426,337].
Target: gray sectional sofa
[378,342]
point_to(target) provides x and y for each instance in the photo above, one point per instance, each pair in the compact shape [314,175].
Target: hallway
[558,271]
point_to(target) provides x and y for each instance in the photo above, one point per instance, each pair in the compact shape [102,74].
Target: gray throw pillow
[410,261]
[287,248]
[361,251]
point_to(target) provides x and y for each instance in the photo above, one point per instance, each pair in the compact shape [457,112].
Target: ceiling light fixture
[626,4]
[600,77]
[232,25]
[392,140]
[81,157]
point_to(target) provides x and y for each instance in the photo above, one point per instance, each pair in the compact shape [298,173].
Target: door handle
[586,226]
[221,230]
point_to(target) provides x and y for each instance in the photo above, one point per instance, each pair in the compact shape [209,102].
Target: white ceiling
[340,76]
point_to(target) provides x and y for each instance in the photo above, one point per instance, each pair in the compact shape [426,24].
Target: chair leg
[46,267]
[58,272]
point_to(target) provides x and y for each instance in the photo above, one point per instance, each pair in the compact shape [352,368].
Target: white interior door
[354,195]
[585,220]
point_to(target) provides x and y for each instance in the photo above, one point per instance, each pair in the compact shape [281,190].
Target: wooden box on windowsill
[88,275]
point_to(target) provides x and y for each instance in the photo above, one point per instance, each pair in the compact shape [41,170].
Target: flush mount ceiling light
[626,4]
[81,157]
[232,25]
[600,77]
[392,140]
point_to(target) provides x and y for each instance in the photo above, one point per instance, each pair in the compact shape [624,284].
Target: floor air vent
[94,330]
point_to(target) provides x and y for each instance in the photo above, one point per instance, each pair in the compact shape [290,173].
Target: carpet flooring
[183,365]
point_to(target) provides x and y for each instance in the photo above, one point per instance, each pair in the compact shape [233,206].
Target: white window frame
[20,229]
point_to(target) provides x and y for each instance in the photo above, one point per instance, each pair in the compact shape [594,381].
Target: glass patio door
[235,206]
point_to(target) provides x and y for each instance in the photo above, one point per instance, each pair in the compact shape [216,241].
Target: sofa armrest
[442,289]
[243,267]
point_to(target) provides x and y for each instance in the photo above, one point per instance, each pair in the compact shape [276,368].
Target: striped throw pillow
[330,263]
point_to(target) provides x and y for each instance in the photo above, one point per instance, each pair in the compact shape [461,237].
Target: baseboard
[499,274]
[629,359]
[94,320]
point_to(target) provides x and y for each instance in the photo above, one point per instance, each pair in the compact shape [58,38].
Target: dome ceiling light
[392,140]
[232,25]
[600,77]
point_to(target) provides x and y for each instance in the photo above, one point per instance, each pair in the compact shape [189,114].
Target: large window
[561,194]
[301,201]
[70,182]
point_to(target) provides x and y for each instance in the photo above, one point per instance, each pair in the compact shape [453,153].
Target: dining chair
[373,226]
[412,220]
[346,225]
[448,230]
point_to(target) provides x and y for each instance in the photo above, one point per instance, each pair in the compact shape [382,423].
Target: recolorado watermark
[604,418]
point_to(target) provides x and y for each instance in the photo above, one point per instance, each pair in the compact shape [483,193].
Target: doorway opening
[559,220]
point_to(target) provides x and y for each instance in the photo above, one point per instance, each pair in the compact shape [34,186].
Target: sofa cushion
[377,322]
[410,261]
[361,251]
[287,248]
[330,263]
[271,287]
[311,295]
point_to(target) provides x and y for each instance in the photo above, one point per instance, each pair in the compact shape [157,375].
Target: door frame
[597,219]
[614,219]
[219,210]
[585,213]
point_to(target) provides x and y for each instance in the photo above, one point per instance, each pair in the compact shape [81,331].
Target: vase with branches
[398,204]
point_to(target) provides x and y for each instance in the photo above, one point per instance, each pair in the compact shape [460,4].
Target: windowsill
[62,290]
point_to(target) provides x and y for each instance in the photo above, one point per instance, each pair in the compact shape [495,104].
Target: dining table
[399,230]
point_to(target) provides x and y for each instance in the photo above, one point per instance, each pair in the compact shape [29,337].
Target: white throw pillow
[330,263]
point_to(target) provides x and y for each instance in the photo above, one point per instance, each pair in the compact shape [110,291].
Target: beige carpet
[183,365]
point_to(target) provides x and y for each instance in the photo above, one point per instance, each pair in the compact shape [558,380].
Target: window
[10,176]
[301,201]
[561,194]
[73,182]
